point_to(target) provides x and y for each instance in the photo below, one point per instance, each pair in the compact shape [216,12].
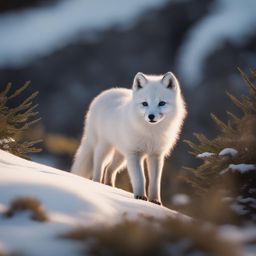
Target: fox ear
[169,80]
[139,81]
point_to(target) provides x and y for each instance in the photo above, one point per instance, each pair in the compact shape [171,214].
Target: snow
[6,140]
[229,20]
[240,235]
[28,34]
[180,199]
[242,168]
[239,208]
[228,151]
[69,201]
[247,200]
[205,154]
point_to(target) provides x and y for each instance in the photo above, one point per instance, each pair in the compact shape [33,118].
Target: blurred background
[72,50]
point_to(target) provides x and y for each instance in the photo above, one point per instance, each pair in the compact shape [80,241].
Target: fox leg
[101,152]
[155,168]
[116,165]
[136,173]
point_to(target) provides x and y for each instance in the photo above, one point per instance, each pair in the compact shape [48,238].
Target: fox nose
[151,117]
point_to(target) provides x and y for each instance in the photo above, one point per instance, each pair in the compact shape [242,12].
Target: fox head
[155,97]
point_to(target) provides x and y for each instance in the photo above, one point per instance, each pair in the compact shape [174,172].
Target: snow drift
[68,200]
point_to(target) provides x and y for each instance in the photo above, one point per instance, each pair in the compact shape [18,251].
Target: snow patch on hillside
[229,20]
[28,34]
[69,201]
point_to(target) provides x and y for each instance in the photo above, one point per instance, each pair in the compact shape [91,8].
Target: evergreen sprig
[215,172]
[15,121]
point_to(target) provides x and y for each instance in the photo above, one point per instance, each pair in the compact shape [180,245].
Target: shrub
[15,121]
[148,236]
[30,204]
[228,170]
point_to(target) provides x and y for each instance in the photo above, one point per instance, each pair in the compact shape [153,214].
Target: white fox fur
[124,127]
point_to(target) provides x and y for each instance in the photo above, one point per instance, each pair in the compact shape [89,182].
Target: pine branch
[15,122]
[238,133]
[19,91]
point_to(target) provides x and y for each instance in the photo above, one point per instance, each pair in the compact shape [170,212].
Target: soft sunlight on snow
[69,201]
[229,20]
[39,31]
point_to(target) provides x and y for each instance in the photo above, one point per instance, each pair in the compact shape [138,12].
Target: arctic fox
[124,127]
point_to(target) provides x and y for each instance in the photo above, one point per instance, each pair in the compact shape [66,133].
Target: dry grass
[59,144]
[148,236]
[27,204]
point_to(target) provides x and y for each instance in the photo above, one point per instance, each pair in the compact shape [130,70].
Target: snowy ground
[69,201]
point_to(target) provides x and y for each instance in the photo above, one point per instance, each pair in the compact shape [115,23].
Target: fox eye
[161,103]
[144,104]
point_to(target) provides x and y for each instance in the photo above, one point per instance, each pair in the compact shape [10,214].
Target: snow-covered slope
[69,201]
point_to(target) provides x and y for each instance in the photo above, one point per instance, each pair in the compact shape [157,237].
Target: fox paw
[156,202]
[141,198]
[109,184]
